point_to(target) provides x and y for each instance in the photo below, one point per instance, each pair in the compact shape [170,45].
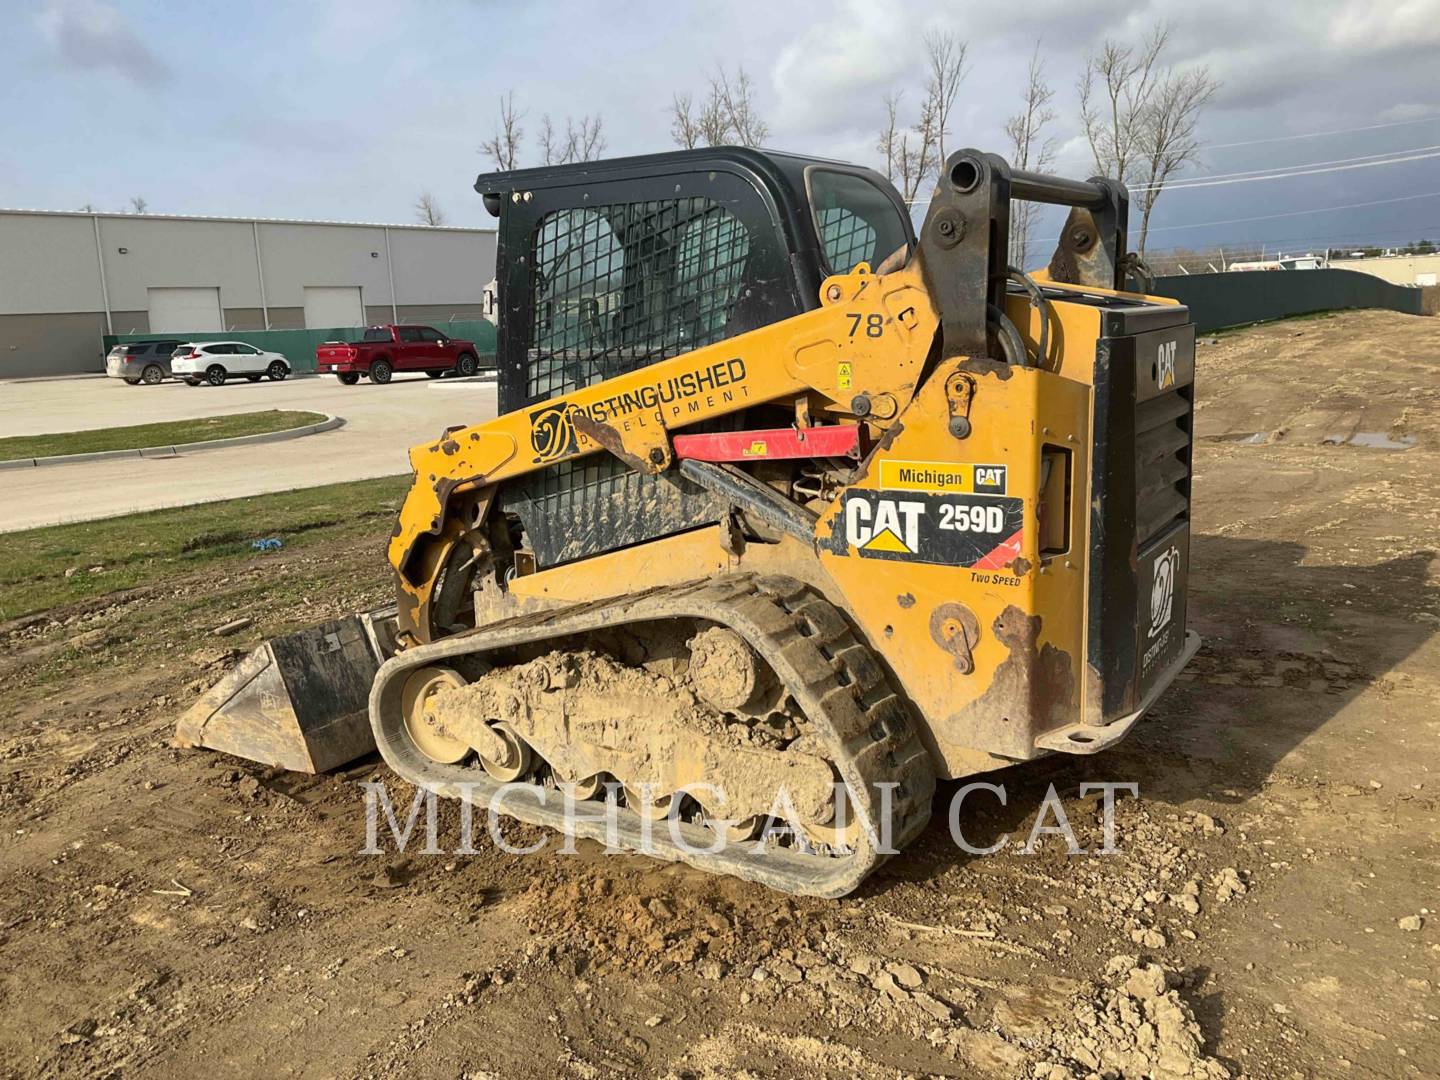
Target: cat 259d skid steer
[789,512]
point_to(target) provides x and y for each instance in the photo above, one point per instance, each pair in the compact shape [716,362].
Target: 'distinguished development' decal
[950,530]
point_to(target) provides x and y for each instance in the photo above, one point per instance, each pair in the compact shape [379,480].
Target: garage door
[184,311]
[328,306]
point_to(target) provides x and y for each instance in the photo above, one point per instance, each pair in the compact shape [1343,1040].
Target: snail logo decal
[1162,590]
[552,432]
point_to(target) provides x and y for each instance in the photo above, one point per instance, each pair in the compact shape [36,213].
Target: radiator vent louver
[1162,464]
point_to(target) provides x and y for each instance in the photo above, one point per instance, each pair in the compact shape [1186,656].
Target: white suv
[215,361]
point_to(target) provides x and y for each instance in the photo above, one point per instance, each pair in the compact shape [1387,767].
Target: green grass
[349,519]
[169,433]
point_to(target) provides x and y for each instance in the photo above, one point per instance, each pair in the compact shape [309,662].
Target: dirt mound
[1138,1026]
[717,933]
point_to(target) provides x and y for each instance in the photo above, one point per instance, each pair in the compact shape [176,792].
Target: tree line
[1137,111]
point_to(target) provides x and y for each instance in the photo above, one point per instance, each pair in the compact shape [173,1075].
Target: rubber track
[835,679]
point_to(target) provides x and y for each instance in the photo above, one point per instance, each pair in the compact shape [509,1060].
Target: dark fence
[1240,297]
[298,346]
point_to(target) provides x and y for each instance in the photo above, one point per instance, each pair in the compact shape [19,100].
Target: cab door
[246,359]
[410,354]
[440,349]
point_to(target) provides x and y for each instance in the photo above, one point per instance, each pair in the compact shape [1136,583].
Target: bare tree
[427,210]
[915,153]
[684,127]
[888,144]
[1167,141]
[945,53]
[713,121]
[582,140]
[503,146]
[911,153]
[551,148]
[728,114]
[138,204]
[737,97]
[1030,149]
[1115,91]
[88,208]
[585,141]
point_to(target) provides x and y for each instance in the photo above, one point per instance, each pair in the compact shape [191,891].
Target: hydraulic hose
[1011,343]
[1037,301]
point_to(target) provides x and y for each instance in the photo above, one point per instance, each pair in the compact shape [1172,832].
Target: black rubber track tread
[837,681]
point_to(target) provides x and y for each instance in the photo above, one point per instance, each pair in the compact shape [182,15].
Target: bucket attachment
[300,701]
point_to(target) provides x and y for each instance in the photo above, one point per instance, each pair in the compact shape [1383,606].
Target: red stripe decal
[1002,556]
[835,440]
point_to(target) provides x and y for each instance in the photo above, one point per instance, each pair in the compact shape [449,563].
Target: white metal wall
[295,256]
[50,263]
[143,254]
[1396,269]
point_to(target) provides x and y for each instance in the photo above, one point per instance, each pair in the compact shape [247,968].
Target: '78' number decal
[874,324]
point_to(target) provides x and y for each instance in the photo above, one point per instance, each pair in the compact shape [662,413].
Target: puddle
[1374,440]
[1371,440]
[1244,438]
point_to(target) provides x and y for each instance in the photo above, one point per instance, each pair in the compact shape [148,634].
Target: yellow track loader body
[787,500]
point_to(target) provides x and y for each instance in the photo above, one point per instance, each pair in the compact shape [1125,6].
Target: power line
[1312,169]
[1296,172]
[1294,213]
[1322,134]
[1186,181]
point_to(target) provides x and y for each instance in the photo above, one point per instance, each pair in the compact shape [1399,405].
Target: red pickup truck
[384,350]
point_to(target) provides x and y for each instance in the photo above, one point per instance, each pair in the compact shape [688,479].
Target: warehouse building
[1396,269]
[67,279]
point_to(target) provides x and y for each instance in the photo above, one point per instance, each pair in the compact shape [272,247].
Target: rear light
[193,354]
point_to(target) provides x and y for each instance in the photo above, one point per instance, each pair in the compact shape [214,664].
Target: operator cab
[608,266]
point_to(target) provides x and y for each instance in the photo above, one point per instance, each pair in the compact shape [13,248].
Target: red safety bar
[834,440]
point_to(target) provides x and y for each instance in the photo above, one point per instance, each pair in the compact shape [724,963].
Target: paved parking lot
[381,424]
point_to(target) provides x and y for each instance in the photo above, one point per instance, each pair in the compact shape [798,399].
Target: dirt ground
[1273,910]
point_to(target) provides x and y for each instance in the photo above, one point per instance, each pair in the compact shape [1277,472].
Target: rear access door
[1140,504]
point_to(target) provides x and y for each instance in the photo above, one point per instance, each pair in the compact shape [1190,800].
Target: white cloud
[1398,24]
[853,55]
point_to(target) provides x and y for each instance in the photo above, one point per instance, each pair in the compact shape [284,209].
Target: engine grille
[1162,464]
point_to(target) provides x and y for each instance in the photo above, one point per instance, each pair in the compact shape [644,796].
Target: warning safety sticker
[951,530]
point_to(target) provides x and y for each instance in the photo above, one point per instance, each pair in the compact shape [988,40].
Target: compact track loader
[789,512]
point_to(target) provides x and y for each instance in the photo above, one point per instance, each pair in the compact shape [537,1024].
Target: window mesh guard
[847,237]
[615,288]
[621,286]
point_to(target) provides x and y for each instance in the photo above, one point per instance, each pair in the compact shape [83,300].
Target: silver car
[142,361]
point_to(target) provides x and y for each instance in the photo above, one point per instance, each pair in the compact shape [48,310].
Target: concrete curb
[482,380]
[330,423]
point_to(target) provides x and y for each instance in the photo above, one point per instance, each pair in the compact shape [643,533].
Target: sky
[348,109]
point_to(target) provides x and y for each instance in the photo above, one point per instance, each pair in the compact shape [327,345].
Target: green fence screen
[1238,298]
[298,346]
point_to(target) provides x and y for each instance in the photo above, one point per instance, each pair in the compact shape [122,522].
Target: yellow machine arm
[866,345]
